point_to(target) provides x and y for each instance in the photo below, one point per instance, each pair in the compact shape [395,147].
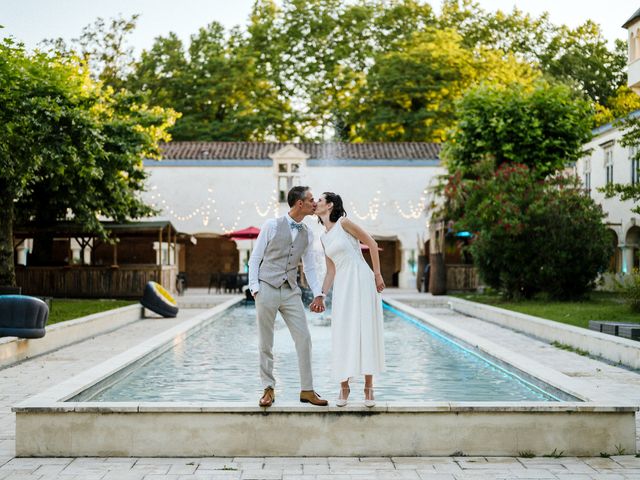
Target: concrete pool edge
[552,377]
[69,388]
[47,425]
[356,431]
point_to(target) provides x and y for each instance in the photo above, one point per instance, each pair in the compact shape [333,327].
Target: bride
[356,318]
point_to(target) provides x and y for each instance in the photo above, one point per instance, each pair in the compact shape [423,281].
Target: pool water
[220,363]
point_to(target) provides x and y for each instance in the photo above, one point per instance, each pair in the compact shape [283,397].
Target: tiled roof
[337,151]
[632,19]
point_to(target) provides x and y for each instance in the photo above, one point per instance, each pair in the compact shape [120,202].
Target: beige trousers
[269,302]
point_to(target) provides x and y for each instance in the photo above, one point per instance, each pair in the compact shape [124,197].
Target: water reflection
[220,363]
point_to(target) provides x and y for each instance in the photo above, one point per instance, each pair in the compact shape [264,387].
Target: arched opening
[390,259]
[632,244]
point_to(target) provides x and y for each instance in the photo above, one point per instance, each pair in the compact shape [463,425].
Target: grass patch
[569,348]
[599,306]
[63,309]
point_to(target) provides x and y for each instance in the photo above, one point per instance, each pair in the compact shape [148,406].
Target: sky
[30,21]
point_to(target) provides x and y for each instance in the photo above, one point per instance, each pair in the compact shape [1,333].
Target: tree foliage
[103,46]
[352,71]
[69,148]
[543,127]
[216,85]
[531,235]
[411,93]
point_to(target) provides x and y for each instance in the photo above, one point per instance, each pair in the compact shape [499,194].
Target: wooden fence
[461,277]
[124,281]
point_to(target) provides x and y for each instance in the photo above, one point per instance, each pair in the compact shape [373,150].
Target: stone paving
[20,381]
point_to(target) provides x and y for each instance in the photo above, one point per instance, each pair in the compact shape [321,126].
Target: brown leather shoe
[309,396]
[268,397]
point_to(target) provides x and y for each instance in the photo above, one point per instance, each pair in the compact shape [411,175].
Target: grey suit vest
[282,256]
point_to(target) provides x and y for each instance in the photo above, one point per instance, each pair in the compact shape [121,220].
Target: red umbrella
[249,233]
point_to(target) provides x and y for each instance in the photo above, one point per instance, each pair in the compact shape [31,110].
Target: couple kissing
[356,323]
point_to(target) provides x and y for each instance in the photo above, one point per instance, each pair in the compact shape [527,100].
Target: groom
[273,268]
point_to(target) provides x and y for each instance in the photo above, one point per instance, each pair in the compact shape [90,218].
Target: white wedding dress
[356,312]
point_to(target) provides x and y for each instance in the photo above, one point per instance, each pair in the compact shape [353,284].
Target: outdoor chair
[22,316]
[215,281]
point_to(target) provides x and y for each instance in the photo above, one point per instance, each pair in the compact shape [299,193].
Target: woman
[356,318]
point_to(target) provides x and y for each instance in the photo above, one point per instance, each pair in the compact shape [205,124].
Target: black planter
[22,316]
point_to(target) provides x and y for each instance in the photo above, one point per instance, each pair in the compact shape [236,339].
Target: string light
[208,211]
[272,206]
[415,211]
[372,211]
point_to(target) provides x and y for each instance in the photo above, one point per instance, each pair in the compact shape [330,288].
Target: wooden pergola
[115,280]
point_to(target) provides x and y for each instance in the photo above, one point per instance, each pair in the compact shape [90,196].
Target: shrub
[629,288]
[533,235]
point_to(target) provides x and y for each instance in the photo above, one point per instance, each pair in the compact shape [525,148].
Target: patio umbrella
[249,233]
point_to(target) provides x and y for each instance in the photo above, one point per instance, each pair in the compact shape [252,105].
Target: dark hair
[295,194]
[338,209]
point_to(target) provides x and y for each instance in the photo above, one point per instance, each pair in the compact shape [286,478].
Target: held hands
[379,282]
[317,305]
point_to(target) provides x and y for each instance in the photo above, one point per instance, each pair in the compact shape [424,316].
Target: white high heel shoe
[369,402]
[342,398]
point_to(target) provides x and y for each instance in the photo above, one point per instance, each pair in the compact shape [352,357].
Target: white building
[609,162]
[208,189]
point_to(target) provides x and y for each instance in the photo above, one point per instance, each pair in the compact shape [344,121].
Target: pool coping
[614,349]
[74,428]
[62,334]
[554,378]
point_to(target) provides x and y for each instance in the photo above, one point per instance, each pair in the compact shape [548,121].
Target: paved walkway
[25,379]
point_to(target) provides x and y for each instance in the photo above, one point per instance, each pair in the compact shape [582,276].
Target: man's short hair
[295,194]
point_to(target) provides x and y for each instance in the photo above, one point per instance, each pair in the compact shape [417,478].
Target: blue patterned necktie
[296,226]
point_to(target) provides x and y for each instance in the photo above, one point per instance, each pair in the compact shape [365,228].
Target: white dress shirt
[267,232]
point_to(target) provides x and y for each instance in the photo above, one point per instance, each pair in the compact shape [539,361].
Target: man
[273,270]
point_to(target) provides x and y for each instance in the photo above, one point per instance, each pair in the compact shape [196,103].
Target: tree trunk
[7,267]
[437,274]
[437,268]
[42,254]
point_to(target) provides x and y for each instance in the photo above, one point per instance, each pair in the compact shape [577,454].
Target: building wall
[620,219]
[386,200]
[209,256]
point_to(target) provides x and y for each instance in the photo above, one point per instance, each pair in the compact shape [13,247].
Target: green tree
[624,102]
[68,148]
[543,127]
[318,53]
[411,93]
[581,56]
[103,46]
[532,235]
[217,87]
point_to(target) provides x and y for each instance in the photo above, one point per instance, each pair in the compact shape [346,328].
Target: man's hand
[254,294]
[317,305]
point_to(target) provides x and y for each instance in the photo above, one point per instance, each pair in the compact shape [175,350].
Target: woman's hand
[379,282]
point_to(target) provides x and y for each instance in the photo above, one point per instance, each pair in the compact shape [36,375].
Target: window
[587,175]
[608,163]
[288,177]
[635,165]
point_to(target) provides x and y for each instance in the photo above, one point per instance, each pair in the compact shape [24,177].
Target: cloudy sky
[30,21]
